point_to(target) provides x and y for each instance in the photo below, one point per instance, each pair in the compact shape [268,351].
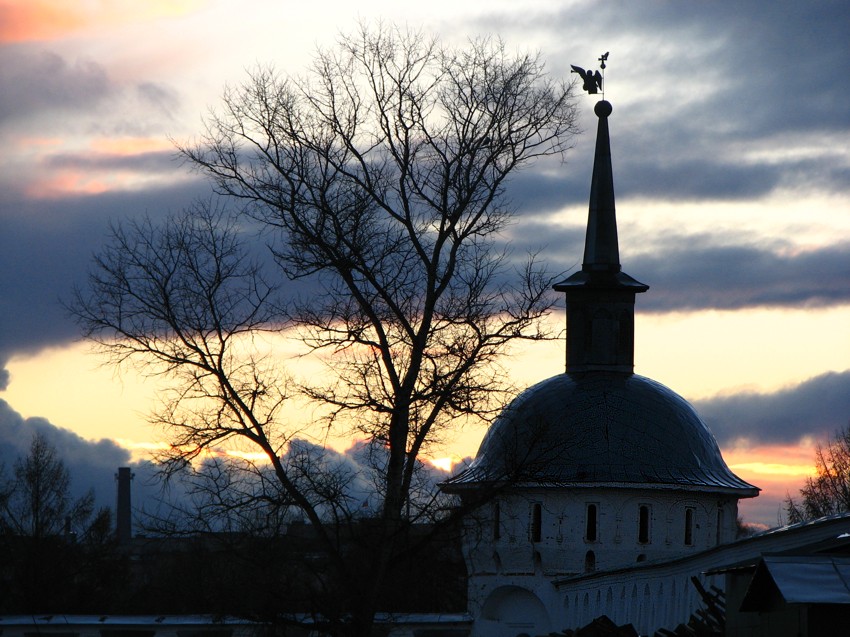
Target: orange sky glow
[40,20]
[96,177]
[71,182]
[126,398]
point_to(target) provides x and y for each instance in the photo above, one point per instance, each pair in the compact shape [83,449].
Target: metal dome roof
[601,428]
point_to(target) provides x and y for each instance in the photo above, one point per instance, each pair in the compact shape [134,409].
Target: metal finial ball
[603,108]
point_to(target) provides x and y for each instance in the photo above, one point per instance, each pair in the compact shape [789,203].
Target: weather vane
[593,80]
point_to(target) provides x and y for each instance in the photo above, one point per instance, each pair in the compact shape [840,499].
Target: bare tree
[828,492]
[380,177]
[50,542]
[36,502]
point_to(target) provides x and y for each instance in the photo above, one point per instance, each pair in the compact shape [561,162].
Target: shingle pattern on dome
[601,428]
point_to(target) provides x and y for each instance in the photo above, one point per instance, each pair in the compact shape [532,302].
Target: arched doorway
[510,611]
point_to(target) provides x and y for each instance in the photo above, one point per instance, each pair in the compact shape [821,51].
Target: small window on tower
[643,524]
[536,522]
[497,521]
[590,530]
[689,526]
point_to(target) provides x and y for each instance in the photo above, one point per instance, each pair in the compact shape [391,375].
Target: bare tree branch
[828,492]
[381,178]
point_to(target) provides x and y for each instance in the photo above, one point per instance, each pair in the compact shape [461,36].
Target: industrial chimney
[124,524]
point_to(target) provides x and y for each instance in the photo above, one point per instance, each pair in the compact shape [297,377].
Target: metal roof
[601,428]
[799,579]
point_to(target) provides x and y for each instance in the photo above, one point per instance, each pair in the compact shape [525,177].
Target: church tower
[600,296]
[595,469]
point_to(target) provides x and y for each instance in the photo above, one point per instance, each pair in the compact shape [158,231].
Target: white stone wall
[514,555]
[649,595]
[562,546]
[649,600]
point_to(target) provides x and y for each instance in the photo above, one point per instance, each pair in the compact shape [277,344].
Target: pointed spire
[600,297]
[601,248]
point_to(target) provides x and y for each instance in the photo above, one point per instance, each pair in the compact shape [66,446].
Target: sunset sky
[731,153]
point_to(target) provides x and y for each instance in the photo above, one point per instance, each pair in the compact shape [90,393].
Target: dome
[601,428]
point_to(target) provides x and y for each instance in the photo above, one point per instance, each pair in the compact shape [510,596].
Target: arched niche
[516,610]
[589,562]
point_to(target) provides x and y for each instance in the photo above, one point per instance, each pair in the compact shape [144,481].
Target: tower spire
[600,297]
[601,246]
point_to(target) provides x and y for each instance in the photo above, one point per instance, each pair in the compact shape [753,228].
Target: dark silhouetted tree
[828,492]
[45,535]
[36,502]
[379,179]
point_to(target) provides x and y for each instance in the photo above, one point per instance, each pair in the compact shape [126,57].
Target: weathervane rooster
[592,80]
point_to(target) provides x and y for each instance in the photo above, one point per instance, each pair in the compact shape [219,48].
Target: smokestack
[124,525]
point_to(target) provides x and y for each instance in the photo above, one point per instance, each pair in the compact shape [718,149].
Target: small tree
[45,536]
[37,501]
[380,178]
[829,491]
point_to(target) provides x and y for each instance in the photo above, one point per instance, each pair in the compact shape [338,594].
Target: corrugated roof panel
[809,582]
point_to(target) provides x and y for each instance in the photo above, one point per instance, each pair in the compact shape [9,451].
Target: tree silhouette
[828,492]
[45,534]
[379,179]
[37,501]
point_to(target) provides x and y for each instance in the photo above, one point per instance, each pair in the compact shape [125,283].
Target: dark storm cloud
[32,81]
[560,247]
[703,272]
[715,174]
[696,85]
[816,408]
[667,177]
[537,192]
[91,464]
[767,66]
[781,68]
[704,165]
[690,179]
[46,248]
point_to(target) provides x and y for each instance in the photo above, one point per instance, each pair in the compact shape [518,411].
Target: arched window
[689,526]
[643,524]
[497,521]
[536,522]
[590,562]
[590,526]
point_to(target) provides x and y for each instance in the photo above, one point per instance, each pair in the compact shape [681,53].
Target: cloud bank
[91,464]
[815,409]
